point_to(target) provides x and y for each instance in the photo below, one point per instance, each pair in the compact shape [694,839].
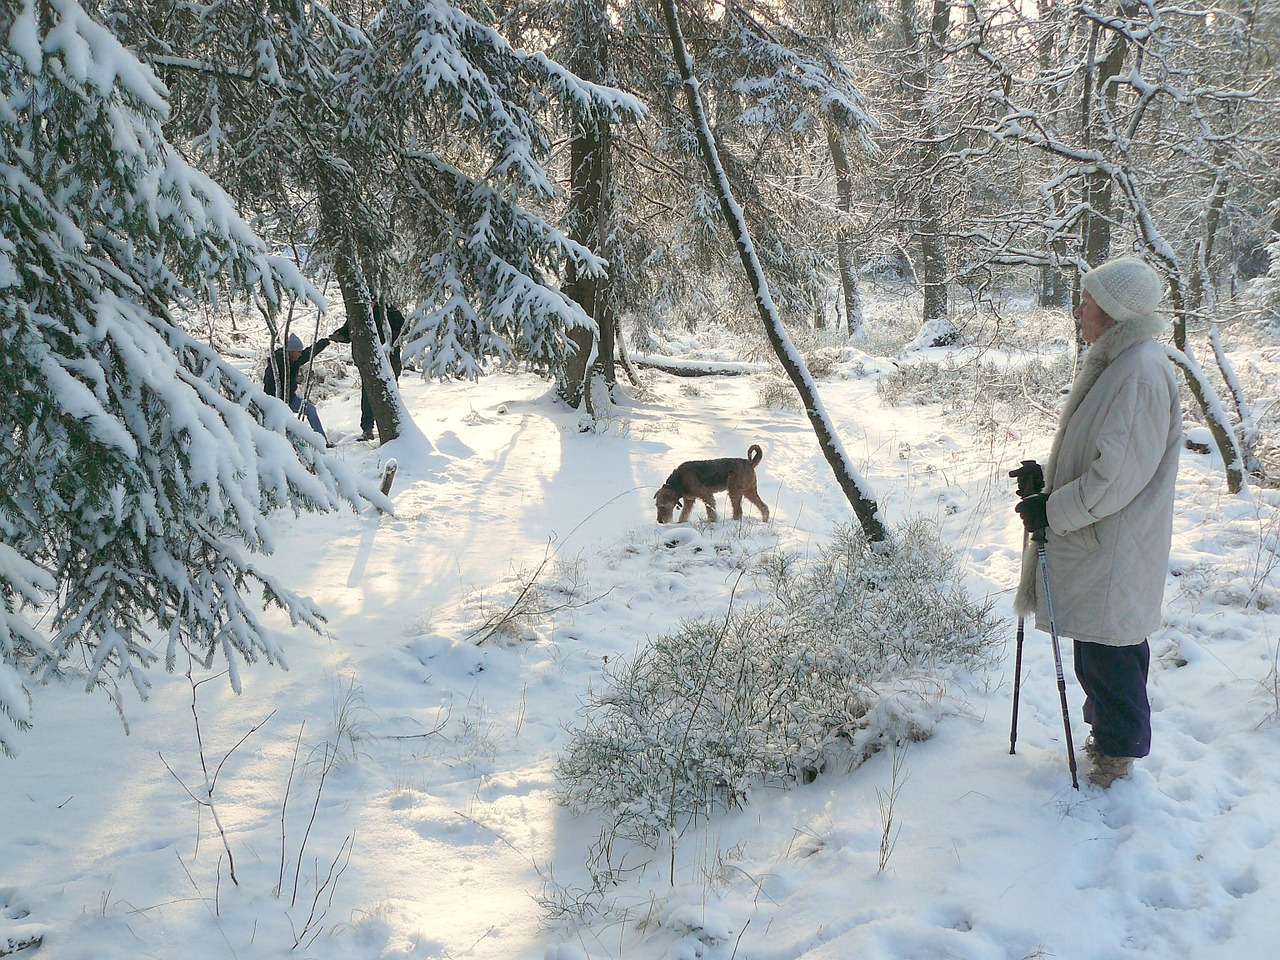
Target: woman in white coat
[1108,509]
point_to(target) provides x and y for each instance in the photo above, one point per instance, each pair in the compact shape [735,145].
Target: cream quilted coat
[1111,481]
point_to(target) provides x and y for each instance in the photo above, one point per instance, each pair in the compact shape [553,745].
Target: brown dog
[696,480]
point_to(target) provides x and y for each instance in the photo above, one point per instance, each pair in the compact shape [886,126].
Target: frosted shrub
[986,395]
[772,694]
[697,717]
[894,612]
[776,393]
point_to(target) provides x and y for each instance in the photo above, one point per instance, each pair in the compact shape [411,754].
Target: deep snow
[436,831]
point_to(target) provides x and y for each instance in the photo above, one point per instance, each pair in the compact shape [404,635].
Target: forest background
[566,189]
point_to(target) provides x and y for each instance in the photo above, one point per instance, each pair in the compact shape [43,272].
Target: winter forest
[668,229]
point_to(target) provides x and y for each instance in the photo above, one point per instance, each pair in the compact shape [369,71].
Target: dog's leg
[710,501]
[760,504]
[751,492]
[686,511]
[735,498]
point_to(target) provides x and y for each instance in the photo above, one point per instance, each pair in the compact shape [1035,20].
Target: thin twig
[693,713]
[324,772]
[205,900]
[547,558]
[284,804]
[348,845]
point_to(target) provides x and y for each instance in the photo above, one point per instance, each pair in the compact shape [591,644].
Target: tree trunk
[933,264]
[930,208]
[1097,103]
[846,254]
[863,503]
[1055,286]
[590,170]
[377,379]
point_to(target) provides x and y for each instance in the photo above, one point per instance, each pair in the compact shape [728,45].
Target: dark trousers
[366,408]
[1115,688]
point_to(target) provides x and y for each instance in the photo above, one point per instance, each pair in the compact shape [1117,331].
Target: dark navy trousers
[1115,688]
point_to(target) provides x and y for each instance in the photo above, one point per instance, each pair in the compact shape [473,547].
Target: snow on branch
[138,463]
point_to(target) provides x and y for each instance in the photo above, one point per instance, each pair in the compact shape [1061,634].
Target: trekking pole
[1017,670]
[1030,479]
[1040,536]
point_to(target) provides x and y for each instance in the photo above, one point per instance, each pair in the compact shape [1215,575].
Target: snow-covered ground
[392,795]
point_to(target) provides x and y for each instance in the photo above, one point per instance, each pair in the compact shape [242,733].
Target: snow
[416,738]
[700,366]
[93,56]
[24,37]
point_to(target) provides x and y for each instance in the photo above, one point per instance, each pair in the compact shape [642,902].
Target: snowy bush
[772,694]
[985,395]
[775,393]
[894,612]
[1265,292]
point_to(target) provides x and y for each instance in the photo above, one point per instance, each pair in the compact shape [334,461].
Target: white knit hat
[1126,289]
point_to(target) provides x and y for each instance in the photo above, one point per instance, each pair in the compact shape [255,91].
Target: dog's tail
[754,454]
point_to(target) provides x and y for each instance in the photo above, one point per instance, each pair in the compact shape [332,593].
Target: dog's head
[667,500]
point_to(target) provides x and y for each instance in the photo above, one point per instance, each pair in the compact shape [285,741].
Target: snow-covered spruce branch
[136,459]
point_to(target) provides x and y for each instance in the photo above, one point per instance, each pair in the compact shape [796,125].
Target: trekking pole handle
[1030,477]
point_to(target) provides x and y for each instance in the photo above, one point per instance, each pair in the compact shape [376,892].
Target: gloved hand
[342,334]
[1033,511]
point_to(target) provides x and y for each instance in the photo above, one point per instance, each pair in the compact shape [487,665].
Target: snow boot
[1104,770]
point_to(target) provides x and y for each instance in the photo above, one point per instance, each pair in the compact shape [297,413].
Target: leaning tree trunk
[1206,398]
[1224,437]
[1199,295]
[1216,418]
[863,503]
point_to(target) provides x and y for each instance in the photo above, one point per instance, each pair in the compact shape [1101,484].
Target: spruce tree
[139,467]
[405,144]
